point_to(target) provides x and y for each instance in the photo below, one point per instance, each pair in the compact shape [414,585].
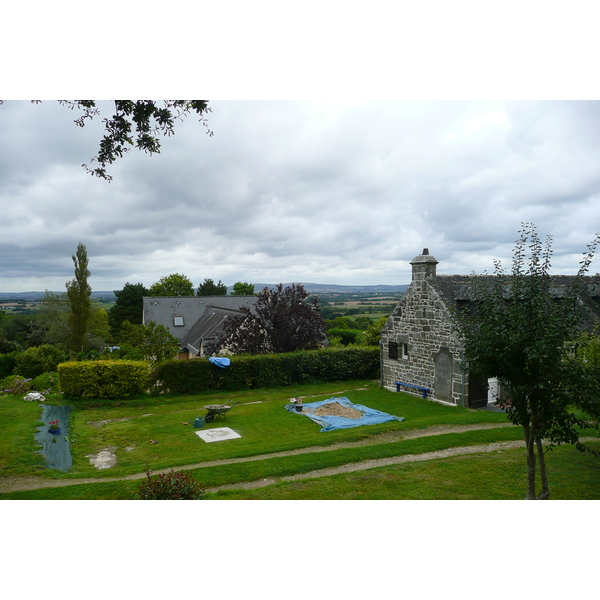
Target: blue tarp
[220,362]
[370,416]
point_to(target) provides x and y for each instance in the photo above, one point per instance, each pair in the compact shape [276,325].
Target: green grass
[489,476]
[261,420]
[264,426]
[486,476]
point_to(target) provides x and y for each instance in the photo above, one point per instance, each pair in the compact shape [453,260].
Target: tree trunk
[545,492]
[530,443]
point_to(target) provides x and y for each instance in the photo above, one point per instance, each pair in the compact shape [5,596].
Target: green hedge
[103,378]
[269,370]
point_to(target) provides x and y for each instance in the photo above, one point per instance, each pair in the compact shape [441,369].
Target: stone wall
[421,321]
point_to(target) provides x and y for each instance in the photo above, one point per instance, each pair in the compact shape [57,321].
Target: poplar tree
[79,294]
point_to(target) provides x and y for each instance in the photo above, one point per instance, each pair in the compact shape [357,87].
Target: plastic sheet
[370,416]
[56,448]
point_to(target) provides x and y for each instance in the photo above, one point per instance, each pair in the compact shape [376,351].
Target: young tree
[128,307]
[373,333]
[282,321]
[150,342]
[243,289]
[172,285]
[210,288]
[518,331]
[79,293]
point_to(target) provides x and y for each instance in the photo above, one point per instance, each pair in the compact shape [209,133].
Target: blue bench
[422,389]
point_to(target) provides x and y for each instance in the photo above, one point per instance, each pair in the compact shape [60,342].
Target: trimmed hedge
[103,378]
[269,370]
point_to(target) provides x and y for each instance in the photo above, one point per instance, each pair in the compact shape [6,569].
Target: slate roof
[208,329]
[163,309]
[458,290]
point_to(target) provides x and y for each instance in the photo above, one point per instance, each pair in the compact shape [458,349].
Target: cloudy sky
[308,191]
[334,187]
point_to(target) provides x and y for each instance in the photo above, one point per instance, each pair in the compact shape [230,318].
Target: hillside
[314,288]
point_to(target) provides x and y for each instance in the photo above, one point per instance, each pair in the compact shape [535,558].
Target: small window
[393,350]
[404,350]
[178,321]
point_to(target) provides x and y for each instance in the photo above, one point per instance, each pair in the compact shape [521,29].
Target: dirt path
[373,464]
[18,484]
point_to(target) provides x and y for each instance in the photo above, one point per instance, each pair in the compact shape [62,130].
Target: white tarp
[217,435]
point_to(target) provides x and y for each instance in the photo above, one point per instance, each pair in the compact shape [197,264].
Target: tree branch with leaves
[135,124]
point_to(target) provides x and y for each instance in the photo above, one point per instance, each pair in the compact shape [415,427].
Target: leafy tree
[373,333]
[98,327]
[150,342]
[586,349]
[243,289]
[172,285]
[338,323]
[345,335]
[54,316]
[17,330]
[128,307]
[79,294]
[519,332]
[150,120]
[282,321]
[7,346]
[210,288]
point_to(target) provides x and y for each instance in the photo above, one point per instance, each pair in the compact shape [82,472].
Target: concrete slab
[217,435]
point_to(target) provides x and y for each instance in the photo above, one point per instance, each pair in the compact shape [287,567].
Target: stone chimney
[423,266]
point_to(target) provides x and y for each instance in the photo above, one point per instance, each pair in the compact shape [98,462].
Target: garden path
[18,484]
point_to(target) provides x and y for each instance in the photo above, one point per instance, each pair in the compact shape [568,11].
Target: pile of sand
[335,409]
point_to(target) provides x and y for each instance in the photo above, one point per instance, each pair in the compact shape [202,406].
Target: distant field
[358,303]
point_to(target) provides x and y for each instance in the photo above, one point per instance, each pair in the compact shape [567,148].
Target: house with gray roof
[196,321]
[420,348]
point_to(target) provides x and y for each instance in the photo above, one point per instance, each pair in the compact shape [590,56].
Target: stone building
[419,345]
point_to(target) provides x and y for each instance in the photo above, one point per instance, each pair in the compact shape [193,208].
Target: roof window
[177,321]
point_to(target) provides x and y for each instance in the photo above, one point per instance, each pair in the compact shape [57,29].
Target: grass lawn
[128,427]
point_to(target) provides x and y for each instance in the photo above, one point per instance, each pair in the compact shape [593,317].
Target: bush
[45,382]
[15,385]
[169,486]
[38,360]
[270,370]
[8,362]
[103,378]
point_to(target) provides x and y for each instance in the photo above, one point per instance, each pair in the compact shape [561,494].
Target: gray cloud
[307,191]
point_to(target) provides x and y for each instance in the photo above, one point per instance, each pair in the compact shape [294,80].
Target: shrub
[103,378]
[270,370]
[169,486]
[15,385]
[37,360]
[45,382]
[8,363]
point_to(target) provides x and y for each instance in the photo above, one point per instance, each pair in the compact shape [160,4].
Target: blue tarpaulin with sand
[340,413]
